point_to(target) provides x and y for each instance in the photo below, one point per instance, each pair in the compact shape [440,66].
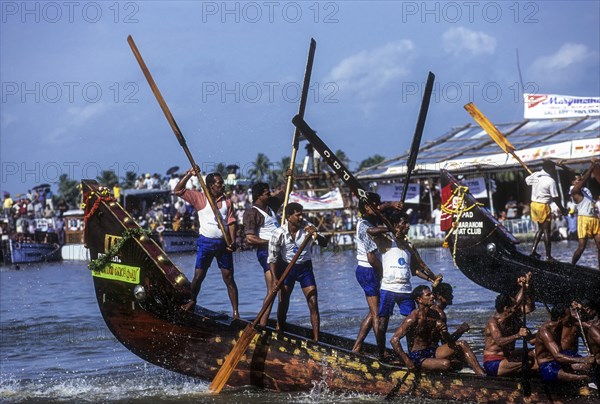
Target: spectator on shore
[572,225]
[511,207]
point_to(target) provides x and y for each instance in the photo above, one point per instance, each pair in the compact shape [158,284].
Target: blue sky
[75,101]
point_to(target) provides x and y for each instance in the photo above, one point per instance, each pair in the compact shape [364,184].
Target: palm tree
[371,161]
[277,175]
[129,180]
[342,157]
[260,168]
[69,190]
[107,178]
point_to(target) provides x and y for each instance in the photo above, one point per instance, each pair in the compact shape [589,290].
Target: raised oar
[494,133]
[416,142]
[250,331]
[358,190]
[301,109]
[180,138]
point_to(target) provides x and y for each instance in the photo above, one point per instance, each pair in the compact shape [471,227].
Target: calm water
[54,345]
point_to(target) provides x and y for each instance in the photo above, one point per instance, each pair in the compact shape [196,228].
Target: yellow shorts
[587,226]
[540,212]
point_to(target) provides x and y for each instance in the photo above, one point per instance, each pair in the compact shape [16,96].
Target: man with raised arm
[588,223]
[211,243]
[503,330]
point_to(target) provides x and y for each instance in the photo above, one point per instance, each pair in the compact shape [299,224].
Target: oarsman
[503,329]
[588,224]
[211,243]
[543,192]
[453,349]
[369,270]
[398,267]
[284,244]
[422,328]
[260,222]
[554,365]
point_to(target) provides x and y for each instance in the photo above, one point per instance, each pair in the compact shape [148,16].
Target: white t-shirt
[543,187]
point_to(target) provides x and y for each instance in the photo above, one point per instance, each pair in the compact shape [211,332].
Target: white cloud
[75,118]
[460,41]
[369,71]
[568,55]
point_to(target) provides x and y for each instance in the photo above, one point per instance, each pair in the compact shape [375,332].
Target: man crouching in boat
[211,243]
[453,348]
[422,328]
[283,245]
[554,365]
[500,358]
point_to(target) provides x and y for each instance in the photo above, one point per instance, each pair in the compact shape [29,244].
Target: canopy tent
[469,149]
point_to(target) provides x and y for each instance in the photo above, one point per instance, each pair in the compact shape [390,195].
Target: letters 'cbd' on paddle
[250,331]
[416,142]
[357,189]
[494,133]
[179,135]
[301,109]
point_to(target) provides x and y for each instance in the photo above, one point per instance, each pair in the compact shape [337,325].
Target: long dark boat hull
[140,292]
[486,252]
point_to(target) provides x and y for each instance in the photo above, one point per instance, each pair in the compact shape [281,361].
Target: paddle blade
[232,360]
[489,127]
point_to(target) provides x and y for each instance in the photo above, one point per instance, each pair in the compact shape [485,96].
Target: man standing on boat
[260,222]
[283,245]
[554,365]
[368,271]
[211,243]
[502,331]
[588,224]
[443,296]
[543,192]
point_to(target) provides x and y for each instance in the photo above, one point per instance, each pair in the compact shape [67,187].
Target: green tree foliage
[107,178]
[370,161]
[277,173]
[260,169]
[69,190]
[128,180]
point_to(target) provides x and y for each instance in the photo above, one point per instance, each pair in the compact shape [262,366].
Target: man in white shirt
[543,192]
[588,224]
[284,244]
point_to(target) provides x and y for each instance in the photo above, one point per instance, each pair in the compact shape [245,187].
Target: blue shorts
[262,256]
[419,356]
[368,280]
[301,273]
[387,301]
[549,371]
[210,248]
[491,367]
[570,352]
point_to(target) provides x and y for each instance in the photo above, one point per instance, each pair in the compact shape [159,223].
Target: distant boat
[74,248]
[486,252]
[42,246]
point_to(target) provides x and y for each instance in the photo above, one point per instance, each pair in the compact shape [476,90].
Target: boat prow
[486,252]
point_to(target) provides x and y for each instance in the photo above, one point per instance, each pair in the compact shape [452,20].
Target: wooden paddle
[250,331]
[301,109]
[494,133]
[416,142]
[180,138]
[357,189]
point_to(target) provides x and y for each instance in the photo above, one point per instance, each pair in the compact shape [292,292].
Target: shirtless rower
[453,349]
[503,329]
[422,328]
[554,365]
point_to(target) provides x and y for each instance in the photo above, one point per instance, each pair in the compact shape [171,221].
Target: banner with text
[476,187]
[331,200]
[393,192]
[548,106]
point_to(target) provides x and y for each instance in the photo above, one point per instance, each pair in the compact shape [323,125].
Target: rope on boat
[459,192]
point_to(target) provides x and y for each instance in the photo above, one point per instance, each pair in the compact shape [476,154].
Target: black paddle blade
[416,142]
